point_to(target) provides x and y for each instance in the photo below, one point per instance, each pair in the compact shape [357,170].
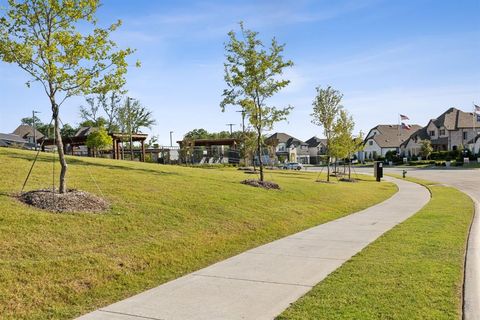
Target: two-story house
[453,129]
[386,137]
[288,148]
[317,147]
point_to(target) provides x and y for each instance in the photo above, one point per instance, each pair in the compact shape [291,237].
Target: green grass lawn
[414,271]
[165,221]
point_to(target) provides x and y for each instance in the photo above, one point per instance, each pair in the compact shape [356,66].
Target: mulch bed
[261,184]
[348,180]
[71,201]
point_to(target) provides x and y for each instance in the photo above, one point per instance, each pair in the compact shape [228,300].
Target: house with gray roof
[28,133]
[453,129]
[317,148]
[386,137]
[288,148]
[12,140]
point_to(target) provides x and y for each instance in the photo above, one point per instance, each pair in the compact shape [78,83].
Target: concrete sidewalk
[262,282]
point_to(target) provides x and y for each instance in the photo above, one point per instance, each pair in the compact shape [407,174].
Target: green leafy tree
[99,140]
[253,75]
[29,121]
[197,134]
[99,123]
[61,47]
[67,131]
[426,149]
[133,116]
[326,109]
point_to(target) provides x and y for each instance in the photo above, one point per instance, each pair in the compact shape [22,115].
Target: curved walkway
[262,282]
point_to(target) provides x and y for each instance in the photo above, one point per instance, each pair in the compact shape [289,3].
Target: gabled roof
[10,137]
[281,137]
[392,135]
[85,131]
[474,140]
[420,134]
[25,131]
[454,119]
[315,142]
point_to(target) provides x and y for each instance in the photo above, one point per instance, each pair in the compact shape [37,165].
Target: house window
[431,133]
[442,132]
[370,143]
[465,135]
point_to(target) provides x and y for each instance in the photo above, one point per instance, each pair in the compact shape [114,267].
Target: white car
[292,166]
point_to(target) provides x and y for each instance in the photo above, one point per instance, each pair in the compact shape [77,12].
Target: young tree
[99,140]
[60,46]
[426,148]
[252,75]
[133,116]
[90,112]
[342,143]
[110,107]
[326,108]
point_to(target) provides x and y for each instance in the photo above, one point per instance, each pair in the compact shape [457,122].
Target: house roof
[474,140]
[281,137]
[392,135]
[420,134]
[454,119]
[25,131]
[315,142]
[10,137]
[85,131]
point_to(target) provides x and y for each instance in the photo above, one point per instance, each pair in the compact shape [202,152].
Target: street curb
[471,279]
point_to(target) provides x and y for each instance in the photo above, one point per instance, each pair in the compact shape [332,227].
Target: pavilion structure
[119,138]
[210,150]
[80,140]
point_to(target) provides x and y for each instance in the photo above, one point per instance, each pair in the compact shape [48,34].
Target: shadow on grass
[80,162]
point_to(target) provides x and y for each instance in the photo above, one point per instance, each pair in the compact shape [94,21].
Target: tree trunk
[328,168]
[259,150]
[131,147]
[61,155]
[349,170]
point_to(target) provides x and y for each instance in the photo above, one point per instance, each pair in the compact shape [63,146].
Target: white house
[386,137]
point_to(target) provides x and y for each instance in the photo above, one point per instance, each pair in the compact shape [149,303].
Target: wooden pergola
[119,138]
[231,142]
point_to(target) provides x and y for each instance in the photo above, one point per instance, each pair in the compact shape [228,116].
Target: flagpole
[399,123]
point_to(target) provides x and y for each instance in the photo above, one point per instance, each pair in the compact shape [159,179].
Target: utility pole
[171,140]
[231,126]
[243,119]
[129,127]
[34,130]
[243,111]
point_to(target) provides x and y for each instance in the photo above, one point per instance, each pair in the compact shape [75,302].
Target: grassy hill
[165,221]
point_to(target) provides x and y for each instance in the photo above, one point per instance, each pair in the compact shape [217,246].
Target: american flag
[406,126]
[404,117]
[477,108]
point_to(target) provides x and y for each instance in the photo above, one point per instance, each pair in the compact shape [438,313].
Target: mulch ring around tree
[71,201]
[261,184]
[348,180]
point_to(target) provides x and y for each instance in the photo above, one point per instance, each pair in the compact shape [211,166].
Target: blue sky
[388,57]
